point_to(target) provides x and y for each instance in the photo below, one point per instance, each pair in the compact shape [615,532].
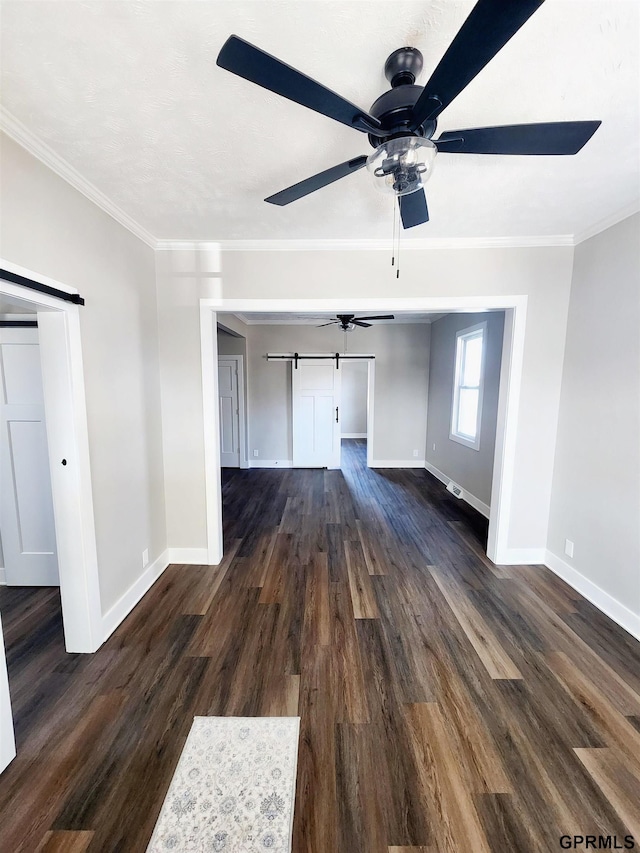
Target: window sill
[474,444]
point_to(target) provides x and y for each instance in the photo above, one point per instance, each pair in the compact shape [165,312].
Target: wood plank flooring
[446,704]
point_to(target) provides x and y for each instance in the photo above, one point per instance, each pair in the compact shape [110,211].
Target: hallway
[446,704]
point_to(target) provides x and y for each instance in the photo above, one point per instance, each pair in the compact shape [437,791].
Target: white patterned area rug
[233,789]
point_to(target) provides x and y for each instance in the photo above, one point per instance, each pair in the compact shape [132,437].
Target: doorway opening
[55,309]
[232,403]
[28,551]
[356,404]
[67,444]
[504,456]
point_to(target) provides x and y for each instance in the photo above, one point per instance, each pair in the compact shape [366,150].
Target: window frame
[469,332]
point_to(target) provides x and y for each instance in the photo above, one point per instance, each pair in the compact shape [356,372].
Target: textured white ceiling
[129,94]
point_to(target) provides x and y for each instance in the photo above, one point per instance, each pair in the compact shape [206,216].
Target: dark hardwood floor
[446,704]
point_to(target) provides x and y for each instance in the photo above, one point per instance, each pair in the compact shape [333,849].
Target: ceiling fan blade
[248,61]
[332,323]
[379,317]
[413,209]
[488,28]
[360,323]
[316,182]
[556,137]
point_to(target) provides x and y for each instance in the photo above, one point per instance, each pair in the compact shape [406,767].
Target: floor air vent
[455,489]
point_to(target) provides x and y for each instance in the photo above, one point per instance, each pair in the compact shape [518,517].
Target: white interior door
[26,506]
[229,413]
[316,414]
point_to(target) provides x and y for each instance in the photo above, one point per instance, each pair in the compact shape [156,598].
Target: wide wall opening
[403,396]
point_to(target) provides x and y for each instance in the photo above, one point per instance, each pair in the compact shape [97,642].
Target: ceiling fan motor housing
[394,108]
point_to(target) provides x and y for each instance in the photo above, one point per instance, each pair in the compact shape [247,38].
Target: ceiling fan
[401,122]
[348,322]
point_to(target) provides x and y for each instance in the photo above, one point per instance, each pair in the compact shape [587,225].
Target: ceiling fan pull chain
[398,253]
[393,238]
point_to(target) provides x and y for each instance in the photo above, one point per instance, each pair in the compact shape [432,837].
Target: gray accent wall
[472,469]
[596,480]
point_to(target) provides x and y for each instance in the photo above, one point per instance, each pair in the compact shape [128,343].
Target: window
[466,411]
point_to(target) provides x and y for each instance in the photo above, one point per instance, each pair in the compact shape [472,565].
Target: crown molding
[386,245]
[608,221]
[187,245]
[17,131]
[39,149]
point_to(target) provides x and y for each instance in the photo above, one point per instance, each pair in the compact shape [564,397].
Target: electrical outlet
[145,557]
[568,547]
[415,454]
[255,452]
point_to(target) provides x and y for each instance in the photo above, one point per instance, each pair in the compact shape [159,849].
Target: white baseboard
[397,463]
[3,577]
[123,607]
[353,435]
[472,500]
[610,606]
[521,557]
[188,556]
[270,463]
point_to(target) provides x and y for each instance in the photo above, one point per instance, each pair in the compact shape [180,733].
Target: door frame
[371,386]
[515,308]
[67,438]
[242,418]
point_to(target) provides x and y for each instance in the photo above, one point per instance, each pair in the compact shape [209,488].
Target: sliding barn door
[316,414]
[27,525]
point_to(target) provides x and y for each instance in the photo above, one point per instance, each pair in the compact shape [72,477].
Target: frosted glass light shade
[402,166]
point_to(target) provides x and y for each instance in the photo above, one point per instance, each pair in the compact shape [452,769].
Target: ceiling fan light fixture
[402,165]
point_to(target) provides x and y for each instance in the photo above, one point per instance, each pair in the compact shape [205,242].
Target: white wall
[400,406]
[183,278]
[50,228]
[353,398]
[596,480]
[470,468]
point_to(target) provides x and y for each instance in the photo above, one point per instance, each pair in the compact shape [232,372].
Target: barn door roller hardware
[14,278]
[295,357]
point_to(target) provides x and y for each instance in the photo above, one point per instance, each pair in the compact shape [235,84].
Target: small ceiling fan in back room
[348,322]
[402,122]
